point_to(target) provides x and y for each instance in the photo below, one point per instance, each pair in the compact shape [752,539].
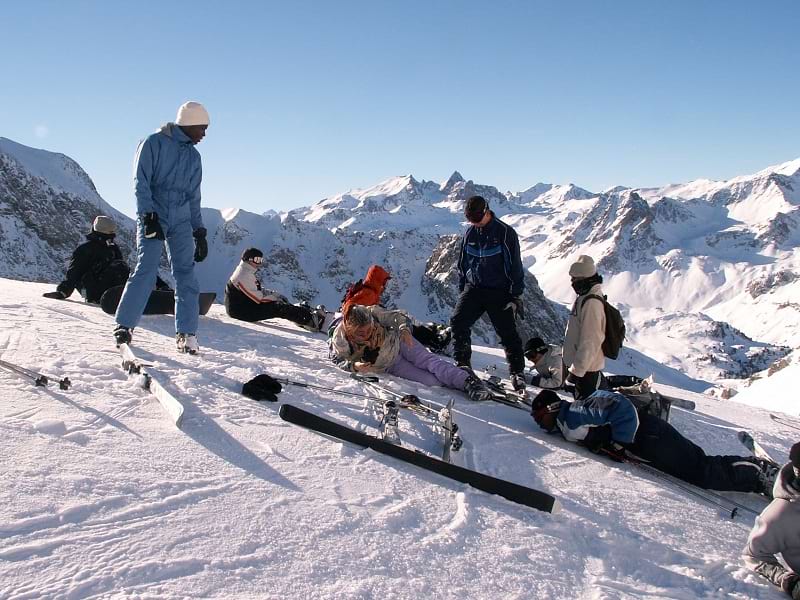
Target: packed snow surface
[104,497]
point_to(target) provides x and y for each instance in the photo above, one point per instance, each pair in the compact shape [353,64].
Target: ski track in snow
[104,497]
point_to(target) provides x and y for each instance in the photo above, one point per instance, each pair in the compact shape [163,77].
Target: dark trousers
[471,305]
[588,384]
[661,445]
[259,311]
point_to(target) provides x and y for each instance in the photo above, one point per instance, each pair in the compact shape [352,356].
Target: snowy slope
[104,498]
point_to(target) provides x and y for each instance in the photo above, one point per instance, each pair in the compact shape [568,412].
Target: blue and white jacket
[490,259]
[575,419]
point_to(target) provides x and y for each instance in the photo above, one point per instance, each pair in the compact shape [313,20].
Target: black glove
[152,228]
[262,387]
[200,244]
[597,438]
[536,379]
[370,355]
[55,295]
[571,378]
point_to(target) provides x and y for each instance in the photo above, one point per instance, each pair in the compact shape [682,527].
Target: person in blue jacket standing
[167,177]
[491,280]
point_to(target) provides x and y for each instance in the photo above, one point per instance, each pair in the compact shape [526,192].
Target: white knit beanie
[192,113]
[104,224]
[583,267]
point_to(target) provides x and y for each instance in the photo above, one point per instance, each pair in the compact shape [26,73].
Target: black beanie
[252,253]
[535,344]
[794,455]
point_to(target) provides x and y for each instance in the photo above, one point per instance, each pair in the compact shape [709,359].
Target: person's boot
[476,390]
[767,474]
[518,382]
[123,335]
[187,342]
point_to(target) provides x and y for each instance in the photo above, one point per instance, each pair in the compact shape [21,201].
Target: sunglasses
[546,409]
[257,260]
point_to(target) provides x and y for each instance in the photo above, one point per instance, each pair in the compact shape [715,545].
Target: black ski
[38,378]
[133,366]
[511,491]
[785,421]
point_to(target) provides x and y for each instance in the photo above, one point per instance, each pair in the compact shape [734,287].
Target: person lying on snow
[607,422]
[777,531]
[550,370]
[368,292]
[96,265]
[246,300]
[370,339]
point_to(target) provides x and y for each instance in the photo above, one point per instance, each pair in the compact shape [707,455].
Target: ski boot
[187,342]
[123,335]
[518,382]
[476,389]
[767,474]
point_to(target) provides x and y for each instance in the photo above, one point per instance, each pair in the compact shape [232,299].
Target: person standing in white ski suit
[167,177]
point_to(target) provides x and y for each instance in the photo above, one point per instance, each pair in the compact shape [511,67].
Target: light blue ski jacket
[575,419]
[166,177]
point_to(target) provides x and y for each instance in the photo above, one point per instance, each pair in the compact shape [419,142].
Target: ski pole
[38,378]
[327,389]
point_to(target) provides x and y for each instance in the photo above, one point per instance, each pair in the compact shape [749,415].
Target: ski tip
[744,436]
[556,508]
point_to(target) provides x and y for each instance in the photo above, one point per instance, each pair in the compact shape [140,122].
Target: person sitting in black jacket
[96,265]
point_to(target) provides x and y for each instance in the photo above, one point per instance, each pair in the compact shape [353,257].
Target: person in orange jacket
[367,292]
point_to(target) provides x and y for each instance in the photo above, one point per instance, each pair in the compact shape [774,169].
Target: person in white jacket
[246,300]
[777,531]
[548,362]
[586,330]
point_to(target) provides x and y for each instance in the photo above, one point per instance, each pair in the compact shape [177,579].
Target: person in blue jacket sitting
[167,177]
[607,422]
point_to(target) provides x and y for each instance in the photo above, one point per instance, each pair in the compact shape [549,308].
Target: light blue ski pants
[180,252]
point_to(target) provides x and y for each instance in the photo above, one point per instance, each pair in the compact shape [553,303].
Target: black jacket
[95,266]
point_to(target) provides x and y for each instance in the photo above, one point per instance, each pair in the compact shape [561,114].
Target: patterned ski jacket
[385,341]
[167,176]
[489,258]
[777,528]
[586,330]
[576,419]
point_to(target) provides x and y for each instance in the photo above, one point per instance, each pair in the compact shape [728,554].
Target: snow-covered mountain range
[706,273]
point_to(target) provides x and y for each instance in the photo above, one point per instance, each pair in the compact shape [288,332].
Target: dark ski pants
[260,311]
[471,305]
[664,447]
[588,384]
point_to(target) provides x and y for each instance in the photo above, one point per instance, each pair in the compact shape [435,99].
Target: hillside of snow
[104,497]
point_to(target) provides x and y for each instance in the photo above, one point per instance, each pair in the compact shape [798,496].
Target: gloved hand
[262,387]
[536,379]
[571,378]
[517,306]
[200,244]
[55,295]
[597,438]
[152,228]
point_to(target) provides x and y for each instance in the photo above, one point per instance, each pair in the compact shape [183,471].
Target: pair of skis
[389,415]
[38,379]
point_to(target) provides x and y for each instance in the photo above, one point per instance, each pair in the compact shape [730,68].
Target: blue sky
[310,99]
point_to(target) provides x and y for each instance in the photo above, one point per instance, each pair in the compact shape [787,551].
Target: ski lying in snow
[389,414]
[511,491]
[755,448]
[446,426]
[785,421]
[680,402]
[133,366]
[38,378]
[495,384]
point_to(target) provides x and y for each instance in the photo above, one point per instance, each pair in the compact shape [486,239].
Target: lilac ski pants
[418,364]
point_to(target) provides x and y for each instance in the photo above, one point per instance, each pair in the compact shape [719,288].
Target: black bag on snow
[615,327]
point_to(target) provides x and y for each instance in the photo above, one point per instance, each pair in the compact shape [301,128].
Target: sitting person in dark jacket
[96,265]
[608,422]
[246,300]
